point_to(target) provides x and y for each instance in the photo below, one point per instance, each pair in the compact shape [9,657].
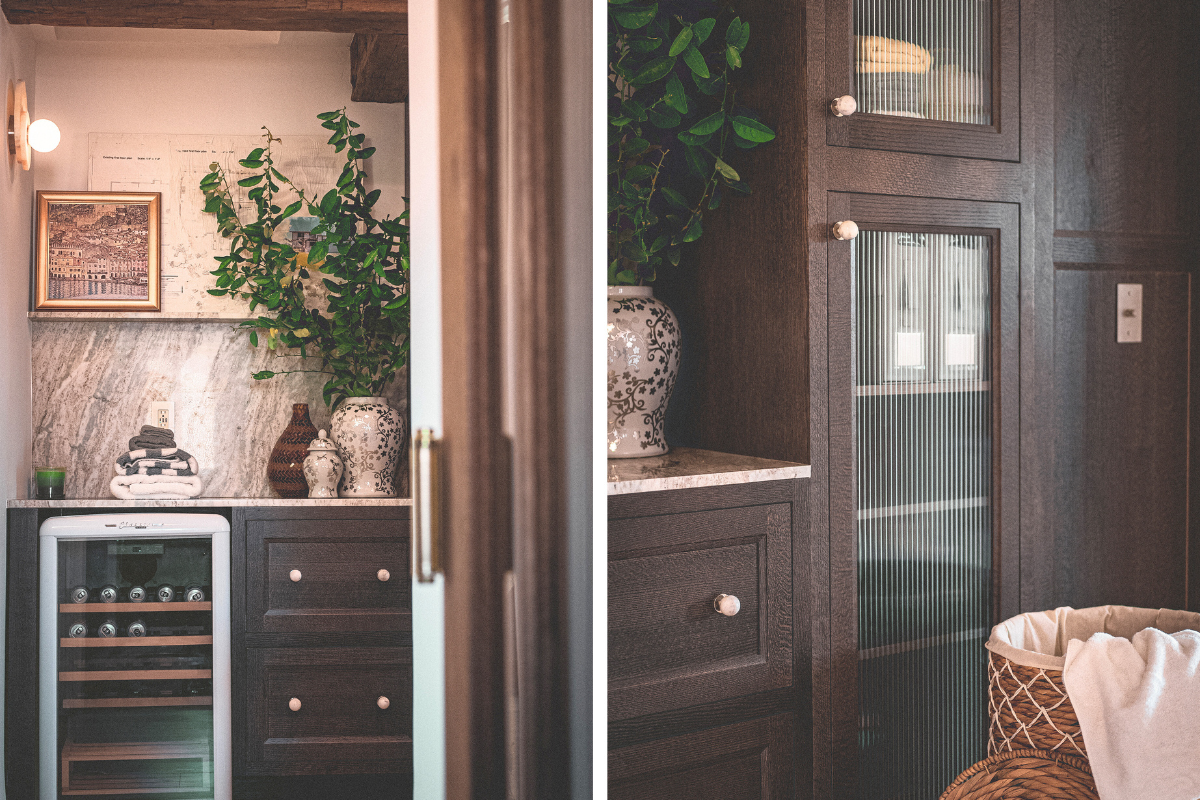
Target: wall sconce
[41,135]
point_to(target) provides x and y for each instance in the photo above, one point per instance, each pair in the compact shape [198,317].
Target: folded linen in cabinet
[155,487]
[150,436]
[882,50]
[892,93]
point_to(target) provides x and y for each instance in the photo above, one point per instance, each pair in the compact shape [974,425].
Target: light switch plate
[1129,313]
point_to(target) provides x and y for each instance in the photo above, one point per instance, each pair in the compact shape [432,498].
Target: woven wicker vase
[285,467]
[1025,775]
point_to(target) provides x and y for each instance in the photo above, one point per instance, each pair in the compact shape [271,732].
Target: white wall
[202,82]
[16,192]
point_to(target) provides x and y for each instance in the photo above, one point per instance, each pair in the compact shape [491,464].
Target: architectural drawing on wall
[177,162]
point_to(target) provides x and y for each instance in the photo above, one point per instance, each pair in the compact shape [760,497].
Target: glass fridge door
[131,652]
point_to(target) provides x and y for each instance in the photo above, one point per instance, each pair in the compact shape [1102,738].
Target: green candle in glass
[51,483]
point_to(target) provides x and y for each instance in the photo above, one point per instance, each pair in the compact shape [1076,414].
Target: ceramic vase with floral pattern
[643,362]
[370,436]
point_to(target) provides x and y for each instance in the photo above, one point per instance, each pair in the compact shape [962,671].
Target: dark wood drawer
[339,726]
[744,761]
[337,563]
[668,647]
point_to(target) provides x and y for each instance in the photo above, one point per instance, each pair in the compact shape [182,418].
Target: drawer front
[337,725]
[668,646]
[324,576]
[744,761]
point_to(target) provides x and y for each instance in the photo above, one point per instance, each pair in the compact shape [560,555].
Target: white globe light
[43,135]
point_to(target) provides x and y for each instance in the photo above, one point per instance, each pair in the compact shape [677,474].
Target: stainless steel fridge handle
[426,511]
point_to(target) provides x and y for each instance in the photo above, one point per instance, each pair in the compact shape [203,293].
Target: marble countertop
[687,468]
[210,502]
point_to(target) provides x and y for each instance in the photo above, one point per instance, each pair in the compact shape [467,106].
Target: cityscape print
[98,251]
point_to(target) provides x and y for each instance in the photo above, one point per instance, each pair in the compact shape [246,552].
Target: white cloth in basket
[1133,678]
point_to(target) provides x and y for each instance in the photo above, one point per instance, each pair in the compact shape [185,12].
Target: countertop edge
[710,479]
[214,502]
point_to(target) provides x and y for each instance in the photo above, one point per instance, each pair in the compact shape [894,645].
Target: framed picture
[97,251]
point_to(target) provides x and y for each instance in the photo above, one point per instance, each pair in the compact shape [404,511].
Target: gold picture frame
[97,251]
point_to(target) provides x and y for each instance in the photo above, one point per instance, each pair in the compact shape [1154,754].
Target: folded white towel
[156,487]
[1137,705]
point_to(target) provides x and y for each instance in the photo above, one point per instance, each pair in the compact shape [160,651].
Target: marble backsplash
[94,380]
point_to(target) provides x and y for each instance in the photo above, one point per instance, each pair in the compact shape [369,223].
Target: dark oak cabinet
[322,642]
[1057,136]
[701,704]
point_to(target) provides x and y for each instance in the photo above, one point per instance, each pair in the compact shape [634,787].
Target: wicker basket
[1029,708]
[1025,775]
[1027,699]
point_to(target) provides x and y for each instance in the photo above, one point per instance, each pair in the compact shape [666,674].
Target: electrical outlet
[162,414]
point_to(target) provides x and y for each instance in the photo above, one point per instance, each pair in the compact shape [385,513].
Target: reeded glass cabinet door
[918,393]
[927,76]
[922,430]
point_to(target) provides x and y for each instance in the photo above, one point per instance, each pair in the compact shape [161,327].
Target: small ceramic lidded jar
[322,467]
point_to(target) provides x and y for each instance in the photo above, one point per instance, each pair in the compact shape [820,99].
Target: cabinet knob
[727,604]
[294,704]
[383,702]
[845,230]
[295,575]
[383,575]
[843,106]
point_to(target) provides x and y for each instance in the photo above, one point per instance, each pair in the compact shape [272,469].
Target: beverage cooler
[134,657]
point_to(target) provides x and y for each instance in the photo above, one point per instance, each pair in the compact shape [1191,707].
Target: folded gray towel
[152,437]
[157,461]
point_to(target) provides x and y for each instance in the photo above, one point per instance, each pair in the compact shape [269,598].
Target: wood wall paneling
[741,293]
[1122,461]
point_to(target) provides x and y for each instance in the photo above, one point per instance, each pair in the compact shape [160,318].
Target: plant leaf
[733,34]
[675,96]
[751,129]
[728,171]
[703,28]
[251,181]
[695,61]
[634,17]
[664,117]
[733,56]
[653,71]
[693,231]
[693,139]
[674,198]
[681,42]
[710,124]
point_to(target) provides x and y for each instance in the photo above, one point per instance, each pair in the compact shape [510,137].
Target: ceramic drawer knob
[294,704]
[383,702]
[295,575]
[727,604]
[383,575]
[843,106]
[845,230]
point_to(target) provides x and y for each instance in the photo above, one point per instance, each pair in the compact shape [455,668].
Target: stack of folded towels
[891,75]
[156,469]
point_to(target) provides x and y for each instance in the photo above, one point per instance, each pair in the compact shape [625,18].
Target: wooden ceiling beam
[337,16]
[379,68]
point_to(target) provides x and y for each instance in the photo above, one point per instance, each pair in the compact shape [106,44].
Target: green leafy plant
[359,332]
[673,118]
